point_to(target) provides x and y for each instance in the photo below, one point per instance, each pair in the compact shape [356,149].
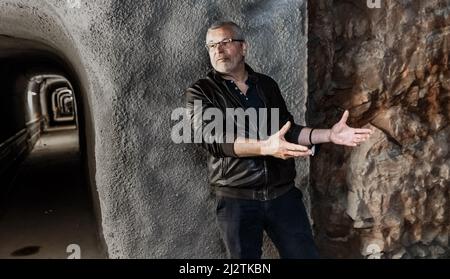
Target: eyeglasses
[224,42]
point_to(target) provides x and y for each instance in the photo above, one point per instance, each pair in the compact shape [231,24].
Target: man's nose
[220,47]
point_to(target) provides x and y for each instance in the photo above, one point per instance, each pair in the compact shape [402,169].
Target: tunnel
[47,205]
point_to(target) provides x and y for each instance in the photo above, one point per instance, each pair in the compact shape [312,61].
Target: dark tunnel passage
[47,204]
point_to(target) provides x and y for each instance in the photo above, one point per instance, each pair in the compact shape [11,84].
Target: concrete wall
[12,112]
[133,59]
[20,117]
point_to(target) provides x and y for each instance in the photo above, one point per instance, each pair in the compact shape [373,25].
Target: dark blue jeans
[242,223]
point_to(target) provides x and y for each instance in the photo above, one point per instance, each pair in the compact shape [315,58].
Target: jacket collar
[252,77]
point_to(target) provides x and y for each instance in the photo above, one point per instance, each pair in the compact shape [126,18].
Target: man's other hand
[342,134]
[277,146]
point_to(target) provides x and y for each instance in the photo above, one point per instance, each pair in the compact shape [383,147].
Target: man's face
[225,58]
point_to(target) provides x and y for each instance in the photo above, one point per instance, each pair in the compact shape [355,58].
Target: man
[253,178]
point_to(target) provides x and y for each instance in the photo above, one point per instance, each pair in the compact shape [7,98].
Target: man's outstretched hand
[277,146]
[342,134]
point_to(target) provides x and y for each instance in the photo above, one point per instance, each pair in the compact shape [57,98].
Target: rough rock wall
[389,66]
[134,59]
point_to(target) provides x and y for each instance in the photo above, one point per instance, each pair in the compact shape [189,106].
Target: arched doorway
[48,205]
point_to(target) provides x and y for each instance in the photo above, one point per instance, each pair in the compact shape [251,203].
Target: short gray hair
[233,26]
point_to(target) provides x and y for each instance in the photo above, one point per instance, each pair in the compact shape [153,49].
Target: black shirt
[251,99]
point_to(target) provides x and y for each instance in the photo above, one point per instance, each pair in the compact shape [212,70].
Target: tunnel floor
[49,205]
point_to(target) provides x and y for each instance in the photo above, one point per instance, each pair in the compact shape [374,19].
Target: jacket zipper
[266,173]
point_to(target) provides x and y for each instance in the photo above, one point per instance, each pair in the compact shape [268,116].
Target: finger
[365,138]
[295,147]
[293,154]
[298,153]
[360,137]
[359,140]
[363,131]
[285,128]
[344,117]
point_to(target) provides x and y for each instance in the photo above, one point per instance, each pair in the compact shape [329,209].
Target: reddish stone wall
[389,66]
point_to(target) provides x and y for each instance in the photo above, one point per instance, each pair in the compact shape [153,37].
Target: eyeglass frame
[224,42]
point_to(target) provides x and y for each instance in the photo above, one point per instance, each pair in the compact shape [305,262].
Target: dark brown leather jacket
[257,178]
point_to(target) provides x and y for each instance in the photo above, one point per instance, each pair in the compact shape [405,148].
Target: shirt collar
[252,77]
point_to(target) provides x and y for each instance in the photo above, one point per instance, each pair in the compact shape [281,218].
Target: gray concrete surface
[133,60]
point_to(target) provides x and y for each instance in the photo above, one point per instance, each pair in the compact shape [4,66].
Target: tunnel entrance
[47,206]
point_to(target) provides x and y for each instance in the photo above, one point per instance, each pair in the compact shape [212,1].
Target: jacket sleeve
[216,145]
[285,116]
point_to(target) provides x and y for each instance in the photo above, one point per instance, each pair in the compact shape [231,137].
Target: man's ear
[244,48]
